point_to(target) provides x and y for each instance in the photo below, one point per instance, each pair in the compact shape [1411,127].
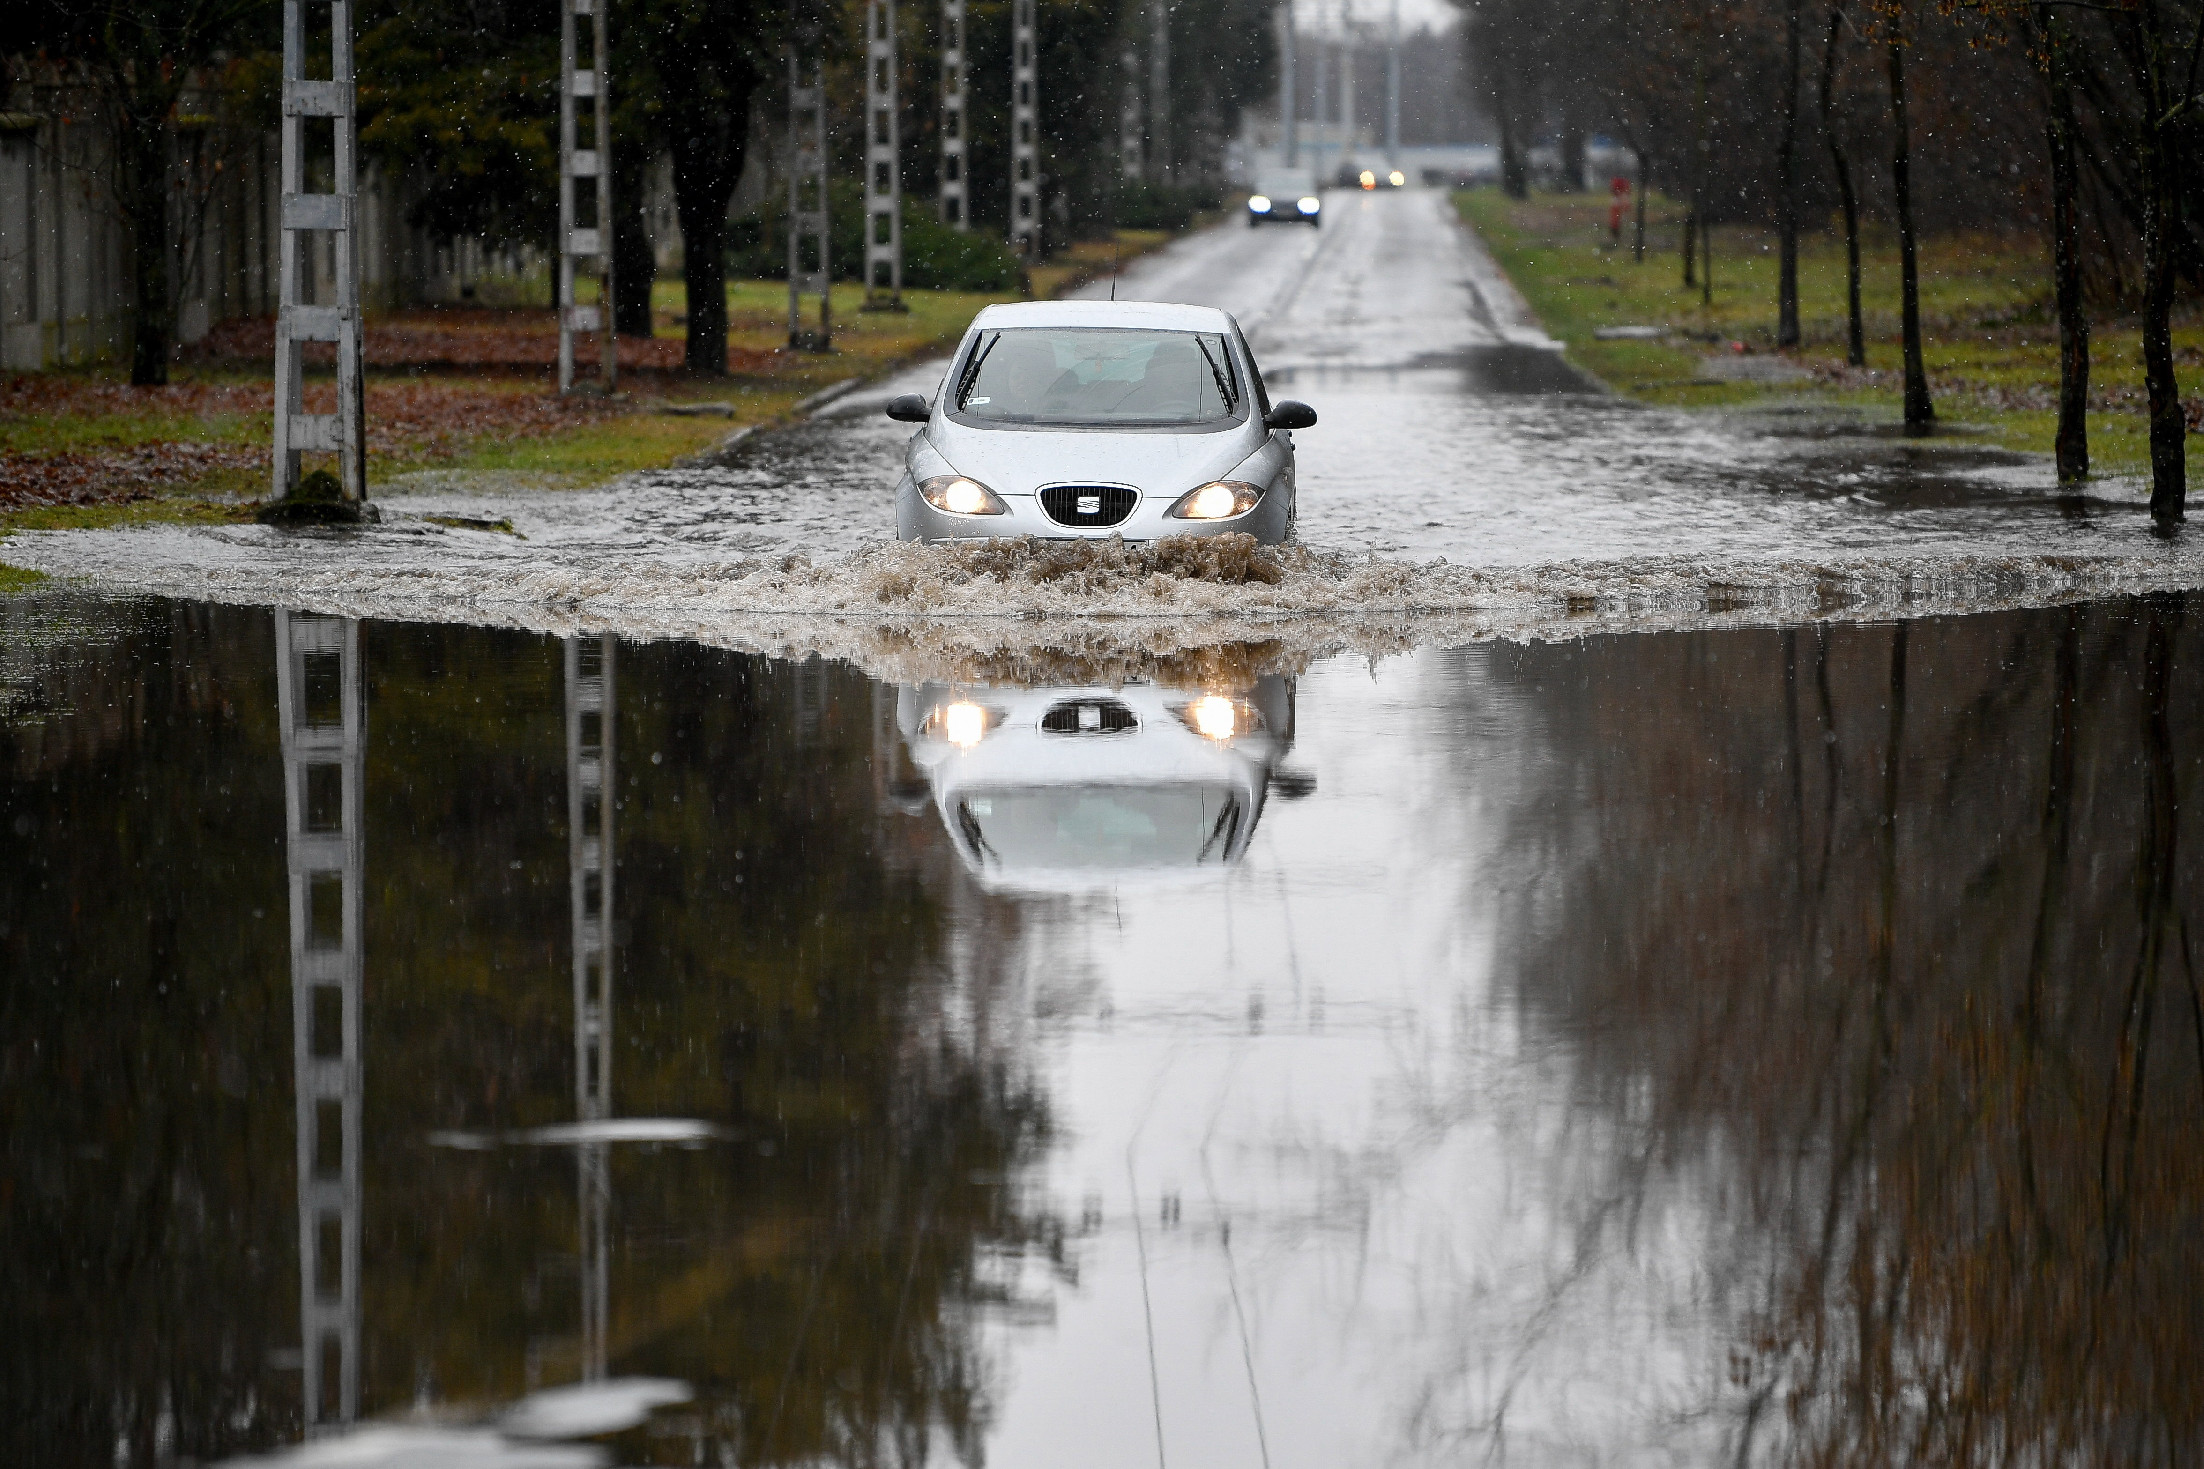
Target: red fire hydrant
[1618,189]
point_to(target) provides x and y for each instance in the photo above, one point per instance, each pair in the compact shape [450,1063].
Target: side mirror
[1285,413]
[911,408]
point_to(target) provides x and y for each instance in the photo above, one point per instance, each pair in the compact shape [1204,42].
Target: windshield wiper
[1224,386]
[972,369]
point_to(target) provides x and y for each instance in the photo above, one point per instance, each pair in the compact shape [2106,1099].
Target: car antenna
[1113,265]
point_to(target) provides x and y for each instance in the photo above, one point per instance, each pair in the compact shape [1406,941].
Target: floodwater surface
[1463,478]
[449,1046]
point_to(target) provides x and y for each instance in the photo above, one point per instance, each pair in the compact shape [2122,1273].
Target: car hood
[1020,461]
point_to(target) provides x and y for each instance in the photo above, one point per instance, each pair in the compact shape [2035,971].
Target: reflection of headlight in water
[963,724]
[1216,718]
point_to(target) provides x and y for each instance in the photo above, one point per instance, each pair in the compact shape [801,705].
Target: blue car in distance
[1286,197]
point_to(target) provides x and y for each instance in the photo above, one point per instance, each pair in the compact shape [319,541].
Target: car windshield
[1100,827]
[1287,185]
[1099,375]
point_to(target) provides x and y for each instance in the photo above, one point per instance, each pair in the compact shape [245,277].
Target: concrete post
[579,242]
[883,163]
[807,209]
[1289,122]
[956,196]
[1025,141]
[1346,86]
[304,217]
[1162,159]
[590,711]
[322,727]
[1392,89]
[1129,139]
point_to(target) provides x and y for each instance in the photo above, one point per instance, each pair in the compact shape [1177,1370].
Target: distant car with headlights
[1089,419]
[1064,790]
[1286,198]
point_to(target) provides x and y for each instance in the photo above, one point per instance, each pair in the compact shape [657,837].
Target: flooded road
[1737,1045]
[1464,481]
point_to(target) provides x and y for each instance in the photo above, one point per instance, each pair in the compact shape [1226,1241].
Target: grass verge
[1990,339]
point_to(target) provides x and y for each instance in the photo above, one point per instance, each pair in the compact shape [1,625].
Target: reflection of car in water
[1073,788]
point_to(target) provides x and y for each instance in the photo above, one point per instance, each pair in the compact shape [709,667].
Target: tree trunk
[1515,179]
[1637,243]
[634,264]
[1706,256]
[1572,157]
[1856,332]
[2072,443]
[1920,412]
[2161,231]
[701,208]
[1786,291]
[1691,246]
[708,148]
[141,159]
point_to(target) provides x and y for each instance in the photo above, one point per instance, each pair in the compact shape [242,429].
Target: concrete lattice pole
[322,727]
[883,163]
[1289,121]
[1129,140]
[1320,104]
[1392,89]
[956,198]
[590,710]
[807,210]
[579,242]
[1025,138]
[303,217]
[1347,135]
[1162,158]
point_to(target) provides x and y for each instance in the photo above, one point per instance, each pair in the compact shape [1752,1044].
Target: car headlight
[1397,179]
[960,496]
[1216,718]
[1311,204]
[963,724]
[1258,204]
[1218,500]
[1369,179]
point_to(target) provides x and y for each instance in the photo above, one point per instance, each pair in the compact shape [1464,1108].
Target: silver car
[1077,419]
[1076,789]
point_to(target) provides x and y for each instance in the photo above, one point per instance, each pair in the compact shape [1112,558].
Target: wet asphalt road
[1451,424]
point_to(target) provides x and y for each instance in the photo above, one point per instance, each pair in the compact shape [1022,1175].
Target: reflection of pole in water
[323,726]
[589,783]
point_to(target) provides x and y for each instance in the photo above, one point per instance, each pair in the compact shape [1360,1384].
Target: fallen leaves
[466,337]
[408,423]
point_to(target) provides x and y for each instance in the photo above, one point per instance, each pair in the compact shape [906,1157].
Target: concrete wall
[65,280]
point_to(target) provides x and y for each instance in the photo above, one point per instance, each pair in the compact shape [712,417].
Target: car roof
[1154,315]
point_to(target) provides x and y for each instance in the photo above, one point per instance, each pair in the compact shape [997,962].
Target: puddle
[447,1045]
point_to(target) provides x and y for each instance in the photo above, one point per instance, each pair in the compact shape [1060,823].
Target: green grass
[592,455]
[1989,335]
[14,579]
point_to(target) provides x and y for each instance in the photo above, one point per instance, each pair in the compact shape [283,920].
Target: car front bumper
[915,520]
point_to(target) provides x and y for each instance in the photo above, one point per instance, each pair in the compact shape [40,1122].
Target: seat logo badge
[1090,504]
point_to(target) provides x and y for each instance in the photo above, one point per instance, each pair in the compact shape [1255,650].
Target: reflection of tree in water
[1879,936]
[817,1277]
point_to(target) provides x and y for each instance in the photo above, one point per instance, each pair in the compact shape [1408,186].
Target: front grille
[1088,505]
[1088,716]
